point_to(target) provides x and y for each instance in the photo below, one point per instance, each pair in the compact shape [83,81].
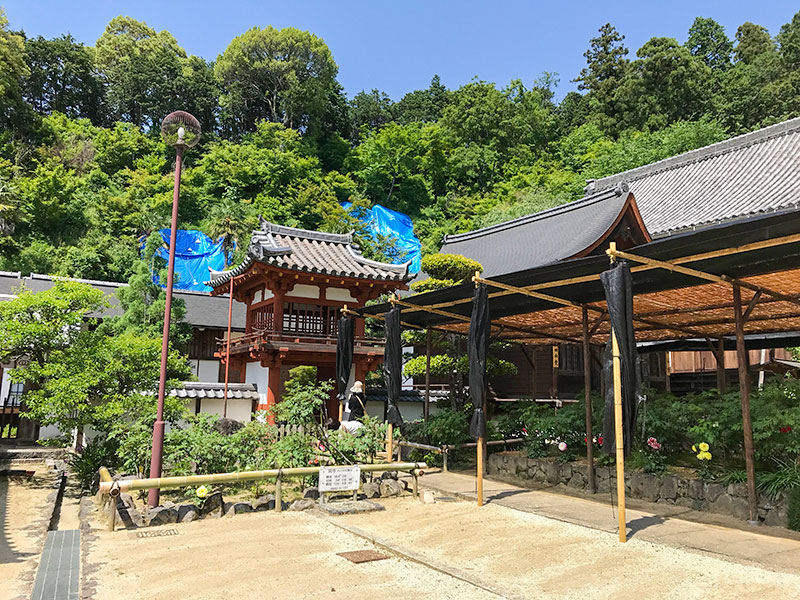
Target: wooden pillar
[426,411]
[666,372]
[273,389]
[554,370]
[480,471]
[743,359]
[719,355]
[587,384]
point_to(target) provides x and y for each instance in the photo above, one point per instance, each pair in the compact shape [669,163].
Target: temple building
[294,283]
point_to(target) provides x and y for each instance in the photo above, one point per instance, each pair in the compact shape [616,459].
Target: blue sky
[398,46]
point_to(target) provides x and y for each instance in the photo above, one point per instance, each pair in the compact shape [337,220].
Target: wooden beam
[751,306]
[744,393]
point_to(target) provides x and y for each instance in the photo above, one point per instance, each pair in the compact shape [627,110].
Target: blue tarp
[195,252]
[392,224]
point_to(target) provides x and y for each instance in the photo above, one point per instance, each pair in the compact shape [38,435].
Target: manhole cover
[360,556]
[156,533]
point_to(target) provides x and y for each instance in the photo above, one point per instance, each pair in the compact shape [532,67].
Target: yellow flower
[704,455]
[703,446]
[202,491]
[694,448]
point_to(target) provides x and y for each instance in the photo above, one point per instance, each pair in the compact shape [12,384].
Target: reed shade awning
[393,365]
[544,305]
[345,339]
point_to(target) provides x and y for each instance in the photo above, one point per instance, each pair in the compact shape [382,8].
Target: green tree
[12,71]
[789,43]
[369,111]
[226,222]
[707,40]
[280,75]
[751,42]
[423,106]
[62,78]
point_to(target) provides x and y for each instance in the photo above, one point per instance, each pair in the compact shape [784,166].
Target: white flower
[562,446]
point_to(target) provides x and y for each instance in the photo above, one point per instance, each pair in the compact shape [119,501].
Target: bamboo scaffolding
[123,485]
[619,441]
[789,239]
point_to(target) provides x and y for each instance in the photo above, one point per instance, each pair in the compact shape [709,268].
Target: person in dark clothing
[355,409]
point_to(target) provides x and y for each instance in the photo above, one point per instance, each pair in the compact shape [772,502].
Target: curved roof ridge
[336,238]
[733,144]
[400,268]
[537,216]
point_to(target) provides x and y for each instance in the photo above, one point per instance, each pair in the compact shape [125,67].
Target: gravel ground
[293,555]
[24,516]
[536,557]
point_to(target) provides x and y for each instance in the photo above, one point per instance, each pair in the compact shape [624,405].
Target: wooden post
[742,359]
[278,493]
[228,352]
[587,384]
[426,411]
[444,459]
[618,438]
[389,441]
[722,384]
[667,386]
[480,471]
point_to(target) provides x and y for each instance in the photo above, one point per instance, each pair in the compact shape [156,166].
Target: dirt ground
[23,523]
[293,555]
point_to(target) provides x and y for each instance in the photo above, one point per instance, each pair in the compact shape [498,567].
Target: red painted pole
[228,352]
[158,426]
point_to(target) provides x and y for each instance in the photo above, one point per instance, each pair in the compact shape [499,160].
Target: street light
[181,130]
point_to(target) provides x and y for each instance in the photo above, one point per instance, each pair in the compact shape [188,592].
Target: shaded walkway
[660,524]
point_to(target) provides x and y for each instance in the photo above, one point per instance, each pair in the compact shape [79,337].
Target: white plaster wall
[411,411]
[238,409]
[339,294]
[255,373]
[302,290]
[408,382]
[5,385]
[48,431]
[208,370]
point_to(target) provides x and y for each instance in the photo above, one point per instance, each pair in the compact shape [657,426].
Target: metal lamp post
[181,130]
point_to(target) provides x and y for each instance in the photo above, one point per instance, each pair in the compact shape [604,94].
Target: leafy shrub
[450,266]
[199,448]
[362,447]
[294,450]
[101,452]
[447,427]
[785,477]
[303,396]
[793,510]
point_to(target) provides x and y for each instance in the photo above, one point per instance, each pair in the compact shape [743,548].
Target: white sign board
[338,479]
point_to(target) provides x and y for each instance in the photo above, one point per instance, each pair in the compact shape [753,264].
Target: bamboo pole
[587,385]
[619,442]
[480,471]
[744,392]
[127,485]
[279,492]
[426,411]
[389,441]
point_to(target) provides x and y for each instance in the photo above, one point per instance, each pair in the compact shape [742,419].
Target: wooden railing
[246,341]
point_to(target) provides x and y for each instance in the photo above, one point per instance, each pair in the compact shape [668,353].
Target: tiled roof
[380,395]
[202,310]
[541,238]
[310,252]
[199,389]
[750,174]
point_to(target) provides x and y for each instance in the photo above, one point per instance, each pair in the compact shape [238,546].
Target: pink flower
[653,443]
[562,446]
[600,440]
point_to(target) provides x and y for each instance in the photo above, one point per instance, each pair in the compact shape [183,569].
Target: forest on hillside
[84,173]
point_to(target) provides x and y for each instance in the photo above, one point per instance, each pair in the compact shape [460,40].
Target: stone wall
[695,494]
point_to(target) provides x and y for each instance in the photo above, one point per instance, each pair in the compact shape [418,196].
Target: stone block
[565,472]
[263,503]
[737,490]
[188,513]
[696,489]
[213,505]
[688,502]
[645,486]
[312,493]
[577,481]
[302,504]
[237,508]
[390,487]
[713,491]
[552,472]
[162,515]
[669,488]
[371,489]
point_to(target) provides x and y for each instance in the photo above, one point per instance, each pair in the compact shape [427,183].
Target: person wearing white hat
[354,409]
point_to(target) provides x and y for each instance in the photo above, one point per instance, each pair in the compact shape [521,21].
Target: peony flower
[653,443]
[703,446]
[786,429]
[562,446]
[202,491]
[704,455]
[694,448]
[600,440]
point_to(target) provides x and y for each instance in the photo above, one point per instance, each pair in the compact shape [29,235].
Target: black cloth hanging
[478,348]
[344,356]
[618,287]
[393,366]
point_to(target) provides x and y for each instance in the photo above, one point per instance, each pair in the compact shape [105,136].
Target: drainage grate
[156,533]
[445,499]
[361,556]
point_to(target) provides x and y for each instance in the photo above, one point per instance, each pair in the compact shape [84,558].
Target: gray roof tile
[310,252]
